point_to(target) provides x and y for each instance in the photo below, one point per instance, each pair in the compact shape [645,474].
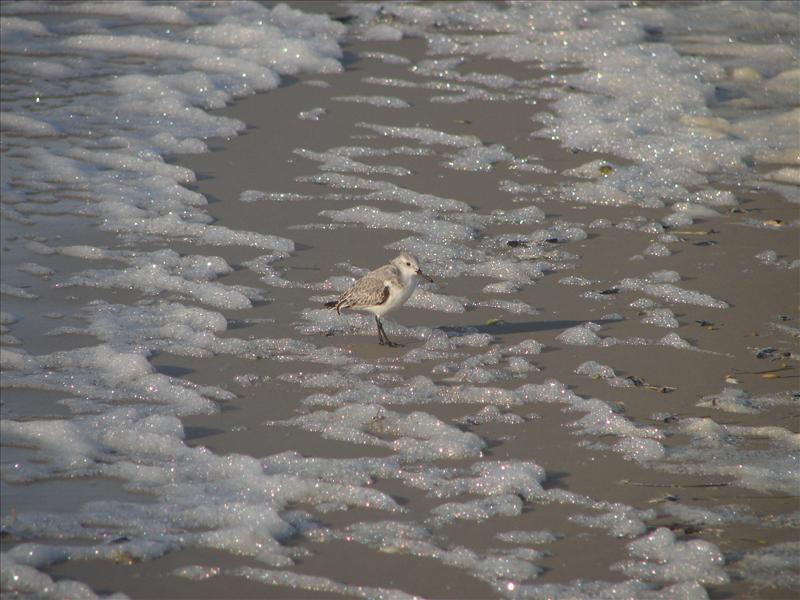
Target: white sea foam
[387,57]
[106,375]
[772,566]
[36,269]
[313,114]
[331,161]
[581,335]
[314,583]
[384,190]
[722,450]
[25,579]
[146,199]
[190,331]
[476,510]
[655,284]
[620,520]
[739,401]
[161,271]
[418,436]
[379,101]
[770,257]
[575,280]
[6,289]
[529,537]
[423,223]
[424,135]
[663,559]
[478,158]
[491,414]
[390,82]
[661,317]
[98,154]
[657,249]
[597,371]
[587,590]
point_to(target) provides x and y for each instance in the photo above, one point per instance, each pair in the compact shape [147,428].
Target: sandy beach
[500,347]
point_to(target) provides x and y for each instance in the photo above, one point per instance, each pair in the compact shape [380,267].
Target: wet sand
[262,159]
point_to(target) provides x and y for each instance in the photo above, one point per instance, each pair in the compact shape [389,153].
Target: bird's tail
[334,304]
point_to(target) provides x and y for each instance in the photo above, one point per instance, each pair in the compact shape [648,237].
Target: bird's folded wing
[368,291]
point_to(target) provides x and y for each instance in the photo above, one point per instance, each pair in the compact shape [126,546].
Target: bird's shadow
[510,328]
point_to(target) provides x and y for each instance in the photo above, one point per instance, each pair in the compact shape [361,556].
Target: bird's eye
[408,264]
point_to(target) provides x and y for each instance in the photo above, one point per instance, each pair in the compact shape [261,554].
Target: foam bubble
[739,401]
[529,537]
[478,158]
[663,559]
[424,135]
[333,161]
[653,286]
[6,289]
[620,520]
[768,567]
[383,190]
[379,101]
[661,317]
[313,114]
[20,578]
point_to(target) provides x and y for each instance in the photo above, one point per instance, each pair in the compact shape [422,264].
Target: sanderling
[383,290]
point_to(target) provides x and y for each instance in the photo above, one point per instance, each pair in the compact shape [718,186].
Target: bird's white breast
[398,294]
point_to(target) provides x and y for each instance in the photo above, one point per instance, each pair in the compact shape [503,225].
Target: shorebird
[383,290]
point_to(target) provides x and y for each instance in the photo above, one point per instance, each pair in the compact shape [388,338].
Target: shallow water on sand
[595,398]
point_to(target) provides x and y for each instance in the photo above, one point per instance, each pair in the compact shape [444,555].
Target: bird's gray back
[370,289]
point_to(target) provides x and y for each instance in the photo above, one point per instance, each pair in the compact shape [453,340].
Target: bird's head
[409,265]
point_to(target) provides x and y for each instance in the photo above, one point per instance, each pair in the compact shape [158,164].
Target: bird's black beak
[424,276]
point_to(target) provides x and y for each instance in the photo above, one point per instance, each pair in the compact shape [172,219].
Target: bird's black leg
[383,339]
[381,334]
